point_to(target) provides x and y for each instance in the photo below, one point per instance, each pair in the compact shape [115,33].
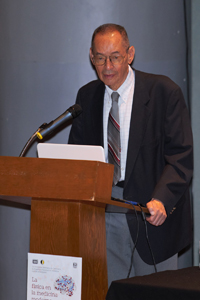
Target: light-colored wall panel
[195,112]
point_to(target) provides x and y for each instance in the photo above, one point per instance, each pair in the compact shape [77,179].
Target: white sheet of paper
[54,277]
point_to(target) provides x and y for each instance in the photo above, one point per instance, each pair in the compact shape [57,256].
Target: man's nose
[108,63]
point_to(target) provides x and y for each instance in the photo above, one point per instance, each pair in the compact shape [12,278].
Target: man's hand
[157,211]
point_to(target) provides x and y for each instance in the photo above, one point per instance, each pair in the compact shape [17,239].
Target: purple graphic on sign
[66,285]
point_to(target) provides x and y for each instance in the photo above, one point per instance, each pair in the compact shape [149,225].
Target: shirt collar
[123,90]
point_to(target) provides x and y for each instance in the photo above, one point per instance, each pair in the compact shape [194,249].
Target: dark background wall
[44,60]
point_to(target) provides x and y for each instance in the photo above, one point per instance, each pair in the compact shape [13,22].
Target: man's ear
[131,54]
[91,55]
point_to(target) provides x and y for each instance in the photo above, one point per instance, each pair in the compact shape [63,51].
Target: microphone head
[75,110]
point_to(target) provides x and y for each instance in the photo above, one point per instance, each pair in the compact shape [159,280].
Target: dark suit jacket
[159,159]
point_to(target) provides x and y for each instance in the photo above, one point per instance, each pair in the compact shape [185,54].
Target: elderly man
[142,122]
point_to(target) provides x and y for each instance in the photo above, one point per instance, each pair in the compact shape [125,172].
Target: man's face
[108,44]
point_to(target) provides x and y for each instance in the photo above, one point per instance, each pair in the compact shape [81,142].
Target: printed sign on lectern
[54,277]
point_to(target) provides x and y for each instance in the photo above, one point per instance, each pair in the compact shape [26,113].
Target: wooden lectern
[68,200]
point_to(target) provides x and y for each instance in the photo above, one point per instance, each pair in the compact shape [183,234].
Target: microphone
[71,113]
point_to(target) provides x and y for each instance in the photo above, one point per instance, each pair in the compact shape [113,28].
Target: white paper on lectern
[54,277]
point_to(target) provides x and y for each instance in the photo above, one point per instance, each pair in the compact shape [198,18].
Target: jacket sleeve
[76,135]
[178,153]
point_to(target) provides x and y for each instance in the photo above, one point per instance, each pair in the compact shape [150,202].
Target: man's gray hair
[109,27]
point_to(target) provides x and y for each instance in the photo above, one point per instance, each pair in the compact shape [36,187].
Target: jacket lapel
[139,119]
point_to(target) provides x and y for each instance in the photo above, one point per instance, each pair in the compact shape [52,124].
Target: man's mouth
[108,75]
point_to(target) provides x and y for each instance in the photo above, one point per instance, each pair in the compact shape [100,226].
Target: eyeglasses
[100,60]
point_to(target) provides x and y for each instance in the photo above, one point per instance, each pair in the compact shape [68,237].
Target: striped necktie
[114,147]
